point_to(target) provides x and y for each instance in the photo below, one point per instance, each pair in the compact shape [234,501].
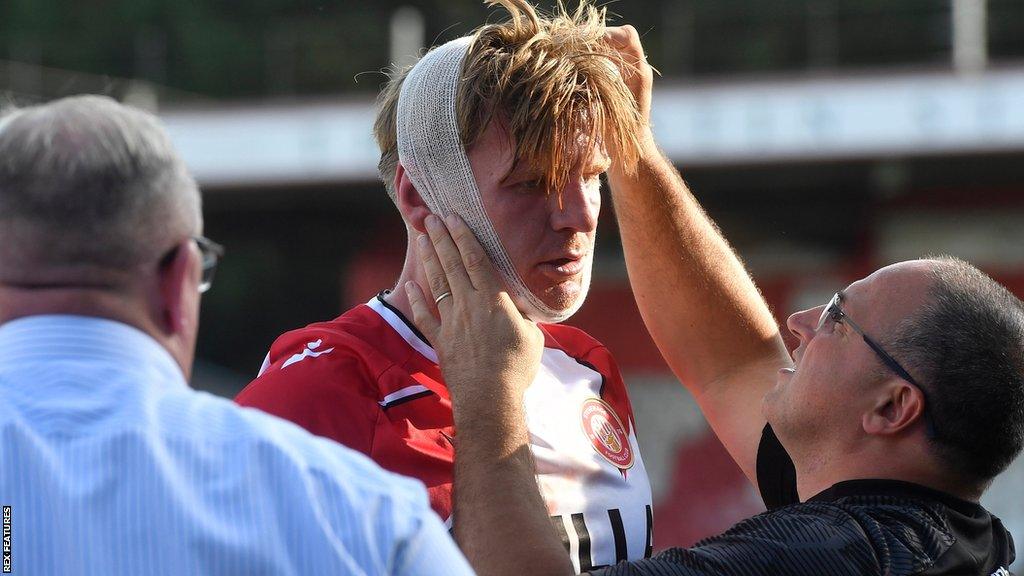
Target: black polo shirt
[857,527]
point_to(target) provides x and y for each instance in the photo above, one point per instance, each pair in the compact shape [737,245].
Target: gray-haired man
[109,462]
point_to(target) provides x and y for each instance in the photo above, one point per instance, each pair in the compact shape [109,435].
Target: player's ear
[414,210]
[897,407]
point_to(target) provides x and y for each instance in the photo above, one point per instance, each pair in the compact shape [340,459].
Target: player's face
[822,400]
[548,235]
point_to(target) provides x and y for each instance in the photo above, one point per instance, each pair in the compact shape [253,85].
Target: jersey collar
[406,329]
[896,488]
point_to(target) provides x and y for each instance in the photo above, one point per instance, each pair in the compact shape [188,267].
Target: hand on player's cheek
[422,316]
[482,341]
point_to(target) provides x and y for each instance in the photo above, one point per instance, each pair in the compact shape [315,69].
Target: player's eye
[530,185]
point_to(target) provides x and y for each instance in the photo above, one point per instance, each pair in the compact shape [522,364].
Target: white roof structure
[699,124]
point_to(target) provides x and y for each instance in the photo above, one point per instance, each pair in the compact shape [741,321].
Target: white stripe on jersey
[575,479]
[399,325]
[403,393]
[264,366]
[574,542]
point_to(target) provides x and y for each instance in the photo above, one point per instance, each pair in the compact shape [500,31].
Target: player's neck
[411,272]
[398,300]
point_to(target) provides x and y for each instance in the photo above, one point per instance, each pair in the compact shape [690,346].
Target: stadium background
[826,137]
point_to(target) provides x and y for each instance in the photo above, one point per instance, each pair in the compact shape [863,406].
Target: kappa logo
[1001,572]
[310,351]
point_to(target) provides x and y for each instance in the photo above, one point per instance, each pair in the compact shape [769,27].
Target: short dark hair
[966,348]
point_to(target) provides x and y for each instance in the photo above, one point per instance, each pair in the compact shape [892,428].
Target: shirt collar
[45,338]
[895,488]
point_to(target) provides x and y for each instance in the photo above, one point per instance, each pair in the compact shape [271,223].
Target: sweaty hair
[89,184]
[966,347]
[549,79]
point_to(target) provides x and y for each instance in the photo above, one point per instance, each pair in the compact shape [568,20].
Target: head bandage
[431,151]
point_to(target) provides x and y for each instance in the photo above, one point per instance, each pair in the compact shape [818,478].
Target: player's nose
[577,205]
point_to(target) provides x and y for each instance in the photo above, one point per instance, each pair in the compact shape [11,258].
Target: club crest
[606,433]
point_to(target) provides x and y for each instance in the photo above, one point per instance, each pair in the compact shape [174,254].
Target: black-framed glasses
[835,313]
[211,253]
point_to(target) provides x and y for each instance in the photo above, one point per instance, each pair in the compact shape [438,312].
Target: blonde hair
[550,79]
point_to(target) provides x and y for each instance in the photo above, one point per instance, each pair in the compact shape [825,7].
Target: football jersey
[371,381]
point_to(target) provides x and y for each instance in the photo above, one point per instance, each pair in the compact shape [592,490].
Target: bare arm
[702,309]
[489,354]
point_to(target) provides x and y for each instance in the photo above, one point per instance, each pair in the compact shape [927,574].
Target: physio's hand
[633,66]
[489,354]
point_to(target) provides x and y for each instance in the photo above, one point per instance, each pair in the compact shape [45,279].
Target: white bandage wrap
[432,153]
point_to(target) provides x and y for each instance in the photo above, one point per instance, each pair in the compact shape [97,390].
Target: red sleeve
[331,394]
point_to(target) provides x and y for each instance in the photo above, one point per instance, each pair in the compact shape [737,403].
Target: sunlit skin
[548,235]
[819,407]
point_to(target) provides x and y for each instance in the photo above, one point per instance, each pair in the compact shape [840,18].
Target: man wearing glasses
[109,463]
[871,445]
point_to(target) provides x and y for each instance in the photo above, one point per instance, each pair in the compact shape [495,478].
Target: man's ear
[897,408]
[414,210]
[177,278]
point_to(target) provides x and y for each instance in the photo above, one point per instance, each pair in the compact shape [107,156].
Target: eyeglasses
[836,314]
[211,253]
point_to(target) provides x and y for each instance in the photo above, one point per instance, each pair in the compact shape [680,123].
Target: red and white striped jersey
[370,380]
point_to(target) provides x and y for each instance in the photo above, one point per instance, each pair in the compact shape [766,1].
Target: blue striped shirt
[112,465]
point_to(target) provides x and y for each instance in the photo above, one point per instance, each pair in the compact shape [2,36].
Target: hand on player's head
[482,341]
[633,66]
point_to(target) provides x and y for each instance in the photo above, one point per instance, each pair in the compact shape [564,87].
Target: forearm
[693,292]
[489,355]
[501,521]
[699,304]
